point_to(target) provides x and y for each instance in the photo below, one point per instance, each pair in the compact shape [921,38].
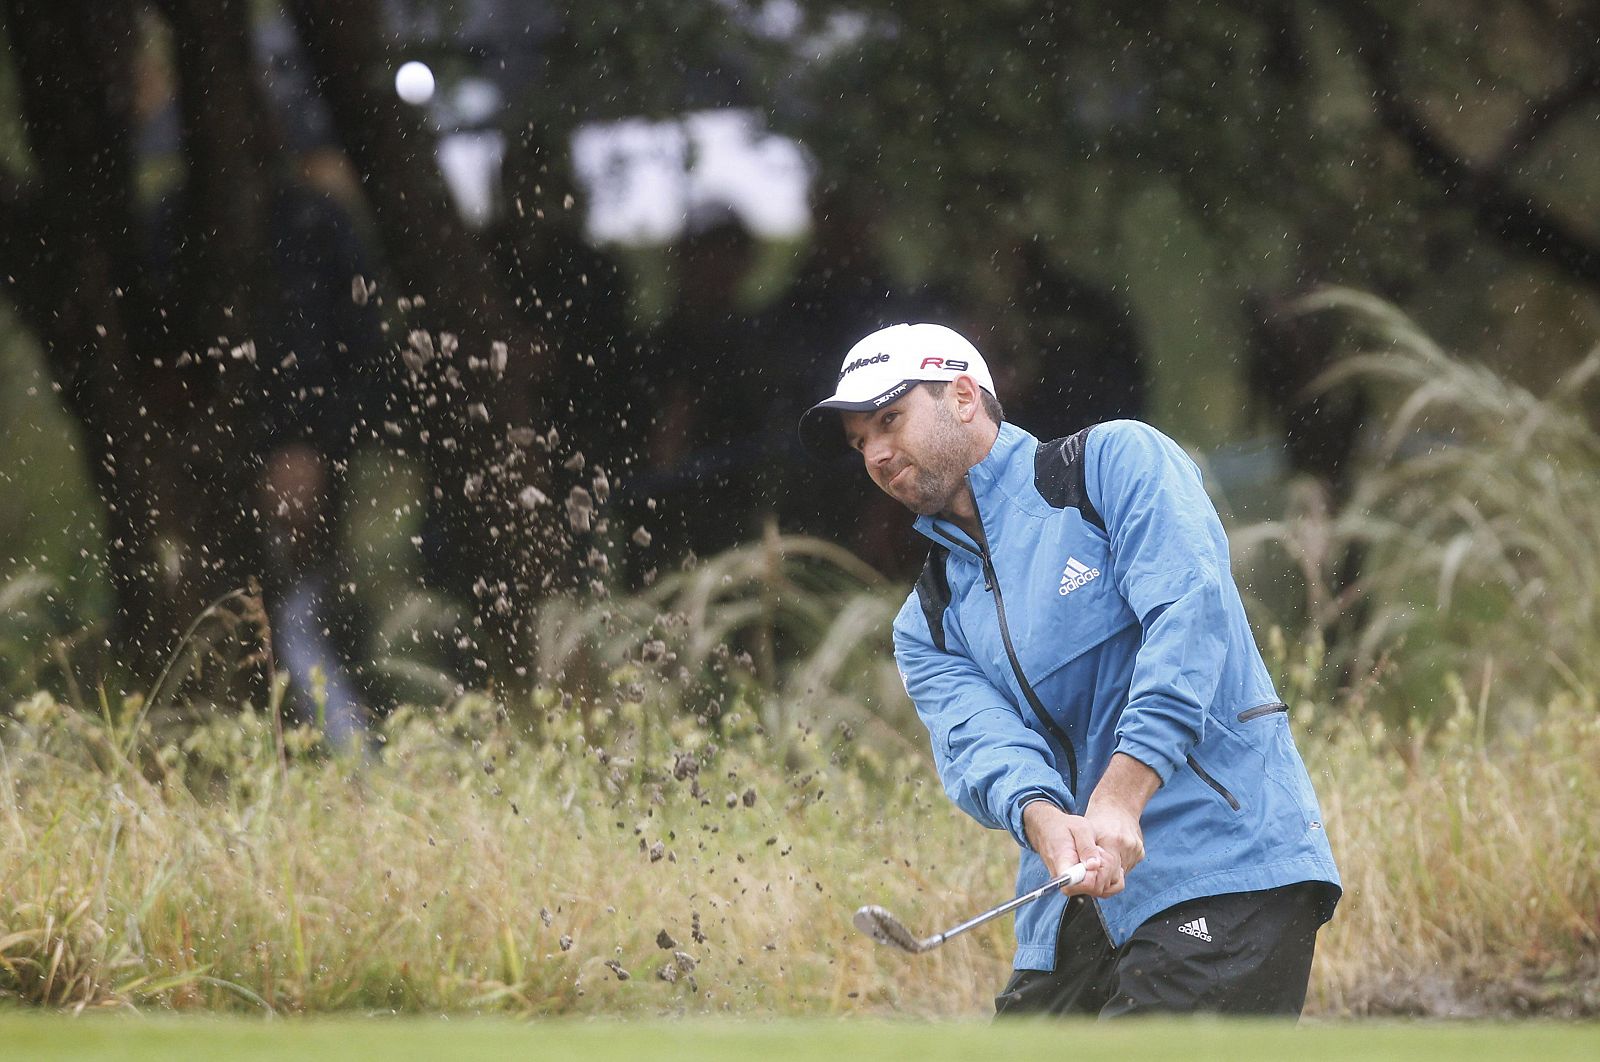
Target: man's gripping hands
[1106,838]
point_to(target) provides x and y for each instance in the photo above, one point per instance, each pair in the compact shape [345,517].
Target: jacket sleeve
[990,763]
[1169,558]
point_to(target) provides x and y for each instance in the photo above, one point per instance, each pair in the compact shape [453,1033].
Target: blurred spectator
[1078,359]
[1287,352]
[1073,359]
[320,378]
[841,291]
[578,296]
[326,384]
[574,292]
[703,369]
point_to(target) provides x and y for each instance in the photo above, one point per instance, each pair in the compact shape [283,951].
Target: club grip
[1071,876]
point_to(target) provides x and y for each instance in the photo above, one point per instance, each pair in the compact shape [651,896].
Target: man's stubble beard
[943,468]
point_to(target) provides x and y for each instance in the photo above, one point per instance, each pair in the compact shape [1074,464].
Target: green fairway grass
[43,1037]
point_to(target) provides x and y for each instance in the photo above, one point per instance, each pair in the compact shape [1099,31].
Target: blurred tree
[1191,164]
[1381,146]
[1546,57]
[161,392]
[166,379]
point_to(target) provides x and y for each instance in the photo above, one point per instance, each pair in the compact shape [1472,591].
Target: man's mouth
[898,475]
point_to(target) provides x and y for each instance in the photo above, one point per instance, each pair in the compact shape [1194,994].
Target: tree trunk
[159,434]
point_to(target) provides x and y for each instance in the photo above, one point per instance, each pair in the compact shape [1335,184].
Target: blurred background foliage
[1125,206]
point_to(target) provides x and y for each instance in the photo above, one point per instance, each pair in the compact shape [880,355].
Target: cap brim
[820,432]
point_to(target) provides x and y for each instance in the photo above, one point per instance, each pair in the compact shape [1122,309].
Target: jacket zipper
[991,583]
[1260,710]
[1233,801]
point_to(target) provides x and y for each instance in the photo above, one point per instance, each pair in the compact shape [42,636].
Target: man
[1080,656]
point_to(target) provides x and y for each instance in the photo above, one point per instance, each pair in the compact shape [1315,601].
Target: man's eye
[890,418]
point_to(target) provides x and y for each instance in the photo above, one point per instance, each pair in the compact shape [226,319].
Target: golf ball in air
[414,82]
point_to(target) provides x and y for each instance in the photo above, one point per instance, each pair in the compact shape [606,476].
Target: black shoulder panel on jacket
[933,593]
[1059,474]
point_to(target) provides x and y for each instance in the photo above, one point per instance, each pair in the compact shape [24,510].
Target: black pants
[1237,953]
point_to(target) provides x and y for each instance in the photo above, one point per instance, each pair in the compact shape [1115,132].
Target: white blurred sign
[644,179]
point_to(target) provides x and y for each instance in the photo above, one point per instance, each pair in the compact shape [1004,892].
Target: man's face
[916,450]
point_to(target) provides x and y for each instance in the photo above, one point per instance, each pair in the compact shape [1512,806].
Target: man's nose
[877,452]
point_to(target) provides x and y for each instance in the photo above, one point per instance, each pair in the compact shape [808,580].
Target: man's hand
[1116,805]
[1117,832]
[1063,840]
[1106,838]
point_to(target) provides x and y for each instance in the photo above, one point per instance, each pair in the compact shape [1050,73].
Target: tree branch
[1498,209]
[1583,84]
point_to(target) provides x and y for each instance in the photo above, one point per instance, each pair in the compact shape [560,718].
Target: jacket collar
[993,469]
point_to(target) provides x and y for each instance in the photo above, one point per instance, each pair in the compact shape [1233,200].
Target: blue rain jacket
[1099,615]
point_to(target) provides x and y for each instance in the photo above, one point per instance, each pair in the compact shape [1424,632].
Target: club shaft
[1072,876]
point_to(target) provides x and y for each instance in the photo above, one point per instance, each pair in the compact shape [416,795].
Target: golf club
[885,928]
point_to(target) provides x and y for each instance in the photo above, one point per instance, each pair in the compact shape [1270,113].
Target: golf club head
[885,928]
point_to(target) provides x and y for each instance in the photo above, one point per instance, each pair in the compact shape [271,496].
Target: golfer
[1080,656]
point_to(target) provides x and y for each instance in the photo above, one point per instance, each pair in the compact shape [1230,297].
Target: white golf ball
[414,82]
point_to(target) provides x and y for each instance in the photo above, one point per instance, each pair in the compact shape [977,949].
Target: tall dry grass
[1471,859]
[469,869]
[1475,519]
[799,619]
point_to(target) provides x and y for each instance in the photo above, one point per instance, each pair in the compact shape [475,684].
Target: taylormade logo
[1075,575]
[860,363]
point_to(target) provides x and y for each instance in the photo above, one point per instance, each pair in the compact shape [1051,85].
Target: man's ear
[968,402]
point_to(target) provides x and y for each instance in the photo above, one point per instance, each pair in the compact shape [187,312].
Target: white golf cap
[883,367]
